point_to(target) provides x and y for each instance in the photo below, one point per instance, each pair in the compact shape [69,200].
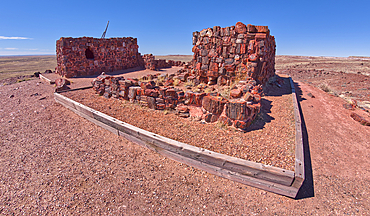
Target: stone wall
[155,64]
[90,56]
[222,55]
[160,92]
[222,83]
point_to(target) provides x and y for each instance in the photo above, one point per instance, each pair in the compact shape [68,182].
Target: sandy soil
[54,162]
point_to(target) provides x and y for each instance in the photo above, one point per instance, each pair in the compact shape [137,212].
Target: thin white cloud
[10,48]
[13,38]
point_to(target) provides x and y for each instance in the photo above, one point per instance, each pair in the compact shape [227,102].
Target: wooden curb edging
[299,174]
[46,79]
[269,178]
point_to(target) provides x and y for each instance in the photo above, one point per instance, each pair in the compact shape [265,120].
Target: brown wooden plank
[244,167]
[46,79]
[65,100]
[299,150]
[247,180]
[269,178]
[75,89]
[223,161]
[84,109]
[224,173]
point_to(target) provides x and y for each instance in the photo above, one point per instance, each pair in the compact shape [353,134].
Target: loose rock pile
[158,92]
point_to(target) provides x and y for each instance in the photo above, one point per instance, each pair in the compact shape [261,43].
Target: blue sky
[311,28]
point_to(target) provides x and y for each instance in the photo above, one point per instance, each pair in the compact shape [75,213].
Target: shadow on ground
[270,89]
[307,188]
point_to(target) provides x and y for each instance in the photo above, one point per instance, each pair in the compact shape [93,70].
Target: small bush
[325,87]
[176,82]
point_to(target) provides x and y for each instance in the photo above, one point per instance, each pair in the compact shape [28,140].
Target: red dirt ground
[55,162]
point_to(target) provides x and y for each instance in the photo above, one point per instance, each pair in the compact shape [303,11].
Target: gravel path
[55,162]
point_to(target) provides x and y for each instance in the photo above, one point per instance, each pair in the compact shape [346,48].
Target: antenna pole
[103,35]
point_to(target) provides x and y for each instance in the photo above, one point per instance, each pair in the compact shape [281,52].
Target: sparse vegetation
[176,82]
[325,87]
[14,66]
[183,58]
[221,125]
[22,80]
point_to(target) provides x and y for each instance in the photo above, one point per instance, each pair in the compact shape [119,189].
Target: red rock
[261,36]
[262,29]
[214,67]
[151,102]
[171,102]
[182,109]
[146,85]
[171,93]
[255,108]
[214,104]
[251,28]
[132,92]
[240,28]
[242,124]
[360,119]
[225,120]
[221,80]
[237,110]
[257,98]
[169,82]
[61,84]
[195,98]
[151,92]
[212,74]
[248,96]
[184,115]
[161,106]
[236,93]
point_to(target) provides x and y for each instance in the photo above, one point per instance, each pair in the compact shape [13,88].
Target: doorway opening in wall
[89,54]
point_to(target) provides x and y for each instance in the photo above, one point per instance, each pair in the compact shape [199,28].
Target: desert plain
[52,161]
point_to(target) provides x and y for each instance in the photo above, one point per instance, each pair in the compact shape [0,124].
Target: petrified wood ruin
[226,54]
[89,56]
[237,60]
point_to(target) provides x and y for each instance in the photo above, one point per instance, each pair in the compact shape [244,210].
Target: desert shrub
[324,87]
[176,82]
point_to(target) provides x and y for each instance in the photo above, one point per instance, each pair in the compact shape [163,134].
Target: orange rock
[236,93]
[240,28]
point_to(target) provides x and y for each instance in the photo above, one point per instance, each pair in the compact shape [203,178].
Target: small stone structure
[152,64]
[222,83]
[88,56]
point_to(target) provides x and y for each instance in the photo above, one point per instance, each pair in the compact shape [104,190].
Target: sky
[308,28]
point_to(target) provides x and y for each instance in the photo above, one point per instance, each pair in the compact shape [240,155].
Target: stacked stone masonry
[222,55]
[88,56]
[157,92]
[237,59]
[152,64]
